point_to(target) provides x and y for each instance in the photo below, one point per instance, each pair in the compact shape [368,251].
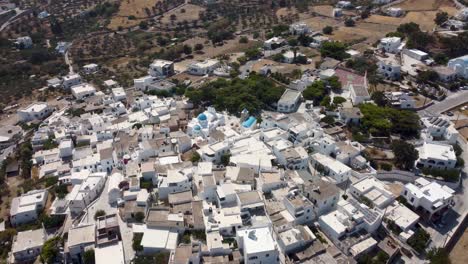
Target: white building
[333,169]
[86,192]
[175,181]
[293,158]
[258,245]
[430,196]
[113,253]
[434,155]
[24,42]
[119,94]
[34,111]
[402,216]
[388,67]
[359,93]
[323,194]
[349,218]
[161,68]
[300,209]
[66,148]
[299,29]
[90,68]
[295,239]
[71,80]
[394,11]
[27,207]
[401,100]
[373,190]
[440,128]
[460,66]
[203,68]
[289,101]
[27,245]
[416,54]
[80,238]
[205,123]
[82,91]
[291,57]
[268,181]
[113,190]
[446,74]
[274,43]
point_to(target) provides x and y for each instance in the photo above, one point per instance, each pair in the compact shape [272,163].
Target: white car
[120,202]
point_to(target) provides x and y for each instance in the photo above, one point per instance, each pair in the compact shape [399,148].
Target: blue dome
[202,117]
[197,128]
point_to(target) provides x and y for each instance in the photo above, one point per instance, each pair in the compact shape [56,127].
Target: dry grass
[135,7]
[230,46]
[191,13]
[131,8]
[458,254]
[420,5]
[421,12]
[323,10]
[369,32]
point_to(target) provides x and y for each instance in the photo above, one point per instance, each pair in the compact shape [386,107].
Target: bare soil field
[283,68]
[209,51]
[131,8]
[421,5]
[458,254]
[191,13]
[367,32]
[317,23]
[323,10]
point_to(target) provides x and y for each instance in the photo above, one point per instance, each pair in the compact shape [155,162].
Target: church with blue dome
[204,123]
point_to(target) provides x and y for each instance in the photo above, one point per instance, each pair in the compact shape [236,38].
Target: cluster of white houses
[259,188]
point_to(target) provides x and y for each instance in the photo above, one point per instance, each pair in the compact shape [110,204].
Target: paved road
[68,60]
[440,235]
[102,203]
[452,100]
[18,12]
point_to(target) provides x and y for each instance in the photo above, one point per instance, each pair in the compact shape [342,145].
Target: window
[267,255]
[406,192]
[252,258]
[412,199]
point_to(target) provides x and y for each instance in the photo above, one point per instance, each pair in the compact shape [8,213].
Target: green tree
[88,257]
[143,25]
[405,154]
[441,18]
[225,159]
[244,39]
[328,30]
[139,217]
[195,157]
[350,22]
[438,256]
[198,46]
[187,49]
[50,250]
[379,98]
[334,49]
[338,100]
[316,92]
[419,240]
[335,84]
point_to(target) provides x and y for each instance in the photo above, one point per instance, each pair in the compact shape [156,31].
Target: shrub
[386,166]
[99,213]
[419,240]
[139,217]
[327,30]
